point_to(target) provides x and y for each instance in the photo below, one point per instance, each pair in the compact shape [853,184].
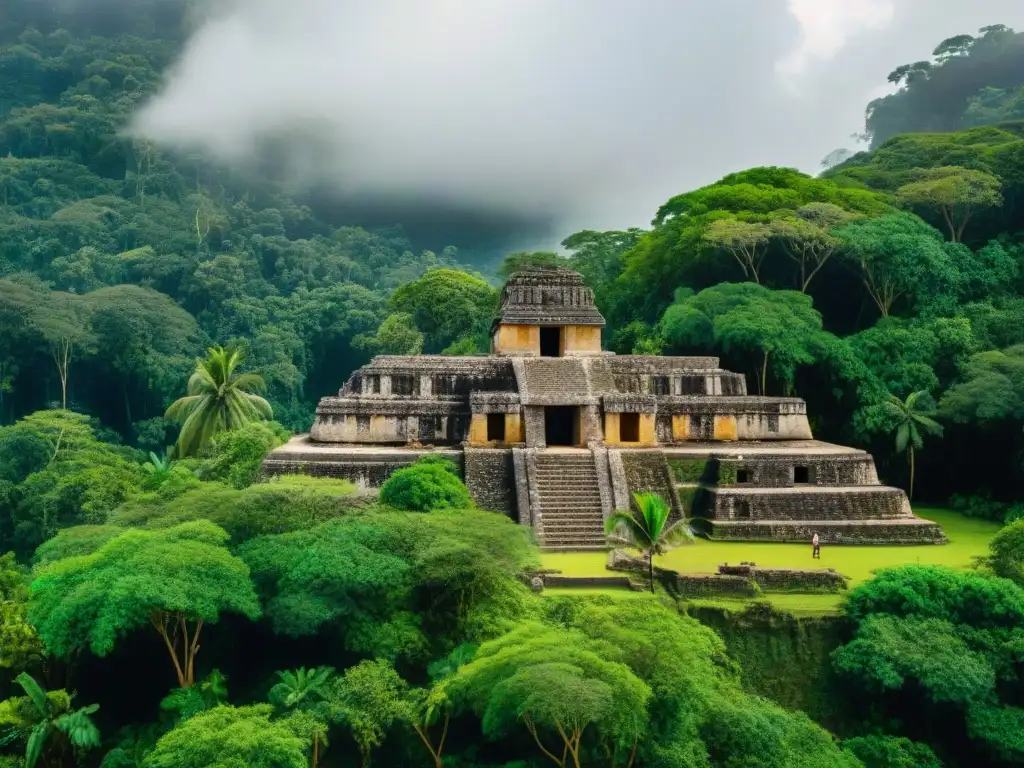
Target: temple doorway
[561,425]
[550,342]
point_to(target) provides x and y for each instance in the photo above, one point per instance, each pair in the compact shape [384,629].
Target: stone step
[562,538]
[569,502]
[913,530]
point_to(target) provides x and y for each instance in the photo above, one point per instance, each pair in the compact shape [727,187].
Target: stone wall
[490,478]
[647,472]
[789,579]
[878,503]
[684,418]
[870,532]
[390,421]
[362,471]
[739,580]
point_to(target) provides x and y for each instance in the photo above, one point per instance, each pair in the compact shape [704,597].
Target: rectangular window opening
[629,428]
[743,510]
[742,476]
[401,384]
[801,475]
[496,427]
[550,342]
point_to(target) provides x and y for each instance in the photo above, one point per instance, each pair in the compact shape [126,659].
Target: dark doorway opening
[801,475]
[743,510]
[559,423]
[496,427]
[742,476]
[550,342]
[629,428]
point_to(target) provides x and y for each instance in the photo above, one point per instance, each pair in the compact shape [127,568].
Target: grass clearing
[968,539]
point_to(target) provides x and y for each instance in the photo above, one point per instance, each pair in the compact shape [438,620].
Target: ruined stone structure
[557,433]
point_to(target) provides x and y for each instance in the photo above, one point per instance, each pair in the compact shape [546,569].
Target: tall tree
[219,399]
[559,686]
[807,239]
[370,697]
[746,241]
[175,580]
[648,529]
[305,690]
[911,419]
[230,736]
[958,193]
[900,259]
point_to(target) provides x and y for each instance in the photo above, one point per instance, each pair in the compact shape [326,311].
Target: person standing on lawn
[816,545]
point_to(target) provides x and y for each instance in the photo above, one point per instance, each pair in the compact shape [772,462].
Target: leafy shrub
[277,506]
[1007,558]
[440,461]
[1000,729]
[891,752]
[985,507]
[425,487]
[931,591]
[236,457]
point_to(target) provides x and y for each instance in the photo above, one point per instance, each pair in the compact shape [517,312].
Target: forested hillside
[210,254]
[160,607]
[120,261]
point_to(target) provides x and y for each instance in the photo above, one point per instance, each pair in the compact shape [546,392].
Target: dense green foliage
[424,487]
[937,652]
[968,80]
[399,629]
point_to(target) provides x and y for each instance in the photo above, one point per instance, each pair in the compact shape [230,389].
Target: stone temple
[556,433]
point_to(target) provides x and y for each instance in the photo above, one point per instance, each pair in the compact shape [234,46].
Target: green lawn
[968,538]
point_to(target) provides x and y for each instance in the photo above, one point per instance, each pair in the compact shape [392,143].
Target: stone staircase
[569,501]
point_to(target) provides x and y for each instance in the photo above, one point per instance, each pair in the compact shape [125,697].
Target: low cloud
[586,112]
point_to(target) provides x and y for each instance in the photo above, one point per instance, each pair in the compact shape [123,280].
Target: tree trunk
[650,569]
[316,750]
[764,373]
[910,495]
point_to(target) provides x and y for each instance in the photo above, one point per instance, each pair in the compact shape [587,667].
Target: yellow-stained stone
[681,427]
[478,429]
[510,339]
[611,429]
[581,338]
[515,429]
[725,428]
[647,432]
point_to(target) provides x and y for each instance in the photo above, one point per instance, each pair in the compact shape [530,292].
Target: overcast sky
[592,111]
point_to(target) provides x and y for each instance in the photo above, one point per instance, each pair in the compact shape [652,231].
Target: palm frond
[628,527]
[929,425]
[678,532]
[35,693]
[902,437]
[36,741]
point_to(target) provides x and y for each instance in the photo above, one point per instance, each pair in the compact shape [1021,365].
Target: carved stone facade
[557,433]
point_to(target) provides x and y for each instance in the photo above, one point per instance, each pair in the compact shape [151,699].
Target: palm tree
[647,529]
[219,399]
[45,714]
[305,690]
[911,419]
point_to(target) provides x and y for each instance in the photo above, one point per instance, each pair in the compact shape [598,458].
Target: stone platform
[367,466]
[555,432]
